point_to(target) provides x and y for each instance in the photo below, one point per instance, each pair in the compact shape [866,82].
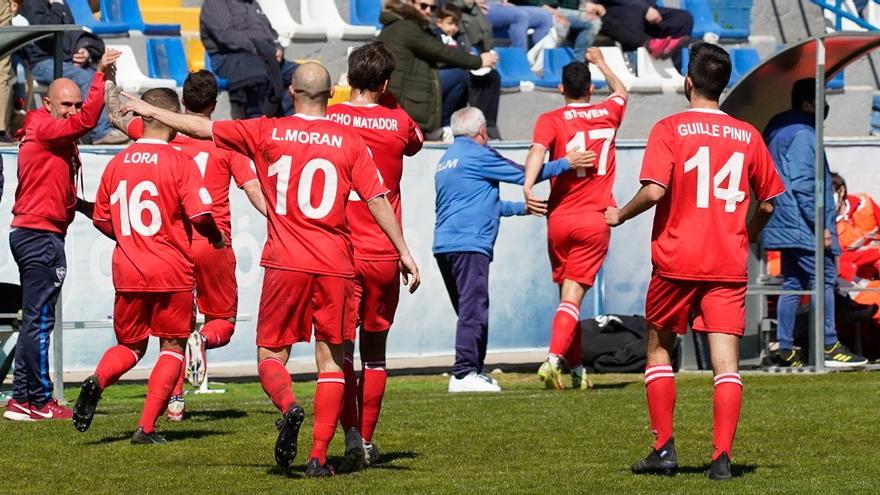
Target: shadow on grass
[386,462]
[600,386]
[217,414]
[737,469]
[171,436]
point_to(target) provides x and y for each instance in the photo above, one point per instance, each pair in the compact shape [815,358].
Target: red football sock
[276,382]
[349,417]
[328,404]
[178,387]
[217,333]
[115,362]
[159,387]
[574,355]
[728,400]
[660,385]
[564,323]
[371,392]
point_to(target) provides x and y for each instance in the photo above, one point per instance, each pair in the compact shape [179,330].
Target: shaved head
[311,83]
[63,98]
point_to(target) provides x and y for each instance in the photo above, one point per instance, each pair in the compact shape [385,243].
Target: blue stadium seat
[734,17]
[129,12]
[554,60]
[743,60]
[166,59]
[83,15]
[704,22]
[513,66]
[365,12]
[836,83]
[221,82]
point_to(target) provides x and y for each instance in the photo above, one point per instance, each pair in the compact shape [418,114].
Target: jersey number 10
[579,143]
[732,170]
[281,168]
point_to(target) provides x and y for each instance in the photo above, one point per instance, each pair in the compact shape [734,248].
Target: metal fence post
[818,334]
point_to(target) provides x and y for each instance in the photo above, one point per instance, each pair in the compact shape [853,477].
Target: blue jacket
[791,139]
[468,207]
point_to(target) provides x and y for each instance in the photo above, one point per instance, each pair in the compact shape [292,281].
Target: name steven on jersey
[140,157]
[302,137]
[715,130]
[590,113]
[372,123]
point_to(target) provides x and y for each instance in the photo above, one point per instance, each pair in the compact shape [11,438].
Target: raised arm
[594,56]
[118,118]
[191,125]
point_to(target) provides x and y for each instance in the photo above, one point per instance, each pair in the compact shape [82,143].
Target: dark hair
[449,10]
[837,181]
[709,69]
[803,90]
[576,80]
[165,98]
[369,66]
[200,91]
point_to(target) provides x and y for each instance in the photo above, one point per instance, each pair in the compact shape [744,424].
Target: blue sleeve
[491,165]
[554,168]
[801,160]
[513,208]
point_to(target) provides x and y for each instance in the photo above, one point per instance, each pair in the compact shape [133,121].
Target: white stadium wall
[522,296]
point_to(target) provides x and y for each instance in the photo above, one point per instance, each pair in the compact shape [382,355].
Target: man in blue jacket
[791,138]
[468,217]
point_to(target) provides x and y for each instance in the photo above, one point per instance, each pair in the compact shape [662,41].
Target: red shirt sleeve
[241,169]
[365,178]
[659,161]
[545,132]
[194,196]
[56,131]
[242,136]
[763,175]
[616,104]
[135,129]
[102,201]
[415,140]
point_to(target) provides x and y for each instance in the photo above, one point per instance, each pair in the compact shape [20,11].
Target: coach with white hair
[469,210]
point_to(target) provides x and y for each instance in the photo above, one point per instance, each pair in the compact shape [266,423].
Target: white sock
[553,359]
[578,370]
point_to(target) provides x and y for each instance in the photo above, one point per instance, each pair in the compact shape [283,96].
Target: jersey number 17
[579,143]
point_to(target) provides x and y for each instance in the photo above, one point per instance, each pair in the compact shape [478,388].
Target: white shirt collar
[150,141]
[309,117]
[706,110]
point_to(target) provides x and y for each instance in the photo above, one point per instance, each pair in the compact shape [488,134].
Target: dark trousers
[799,273]
[453,91]
[628,27]
[484,94]
[42,267]
[466,276]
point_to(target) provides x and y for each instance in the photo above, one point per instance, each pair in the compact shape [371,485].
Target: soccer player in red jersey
[216,287]
[149,198]
[389,133]
[698,168]
[307,166]
[576,231]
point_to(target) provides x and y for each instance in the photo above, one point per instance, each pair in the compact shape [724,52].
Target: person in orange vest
[858,217]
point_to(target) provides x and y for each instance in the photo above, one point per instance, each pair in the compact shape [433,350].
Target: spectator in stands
[417,52]
[455,82]
[468,218]
[81,51]
[244,49]
[581,20]
[7,77]
[517,20]
[635,23]
[791,139]
[858,217]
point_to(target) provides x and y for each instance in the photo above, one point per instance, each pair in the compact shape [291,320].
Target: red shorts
[577,245]
[137,315]
[216,288]
[293,302]
[376,293]
[715,307]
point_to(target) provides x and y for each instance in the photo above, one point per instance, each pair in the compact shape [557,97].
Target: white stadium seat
[287,28]
[129,76]
[323,14]
[656,69]
[616,62]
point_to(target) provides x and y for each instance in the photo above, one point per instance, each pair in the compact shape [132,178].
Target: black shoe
[288,432]
[141,438]
[787,358]
[720,468]
[315,469]
[662,461]
[86,403]
[838,356]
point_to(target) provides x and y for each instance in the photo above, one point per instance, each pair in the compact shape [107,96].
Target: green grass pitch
[798,434]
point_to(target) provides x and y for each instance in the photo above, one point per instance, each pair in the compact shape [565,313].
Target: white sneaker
[196,362]
[372,452]
[176,406]
[472,383]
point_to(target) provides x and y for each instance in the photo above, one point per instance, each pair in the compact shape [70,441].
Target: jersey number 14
[732,171]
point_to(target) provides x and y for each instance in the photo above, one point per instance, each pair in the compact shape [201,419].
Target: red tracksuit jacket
[48,162]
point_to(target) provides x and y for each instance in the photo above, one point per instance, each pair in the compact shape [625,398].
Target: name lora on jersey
[303,137]
[141,157]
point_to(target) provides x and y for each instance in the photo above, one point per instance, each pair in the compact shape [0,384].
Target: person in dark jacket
[244,49]
[583,21]
[417,52]
[469,212]
[634,23]
[81,51]
[45,204]
[791,139]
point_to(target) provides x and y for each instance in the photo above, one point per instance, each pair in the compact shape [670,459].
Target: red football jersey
[147,193]
[706,160]
[390,134]
[217,168]
[307,166]
[582,126]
